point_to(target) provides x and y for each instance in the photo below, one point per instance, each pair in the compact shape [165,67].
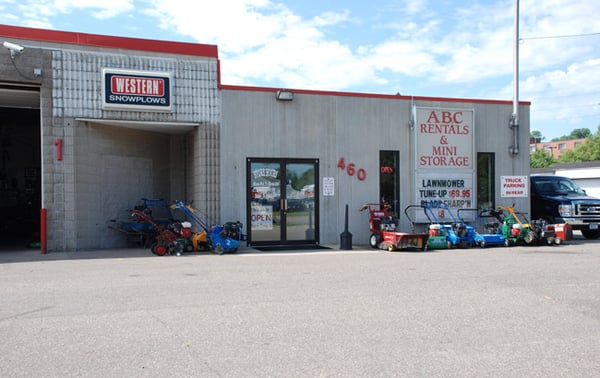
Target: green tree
[536,134]
[575,134]
[541,159]
[587,151]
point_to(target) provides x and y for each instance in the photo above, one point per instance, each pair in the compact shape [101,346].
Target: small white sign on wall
[328,186]
[514,186]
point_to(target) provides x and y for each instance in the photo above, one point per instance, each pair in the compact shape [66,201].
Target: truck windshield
[558,185]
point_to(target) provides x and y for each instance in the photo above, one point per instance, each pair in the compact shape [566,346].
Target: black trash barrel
[346,237]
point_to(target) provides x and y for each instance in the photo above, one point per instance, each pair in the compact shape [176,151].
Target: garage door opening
[20,178]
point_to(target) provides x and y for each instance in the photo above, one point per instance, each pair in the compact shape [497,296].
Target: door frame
[283,163]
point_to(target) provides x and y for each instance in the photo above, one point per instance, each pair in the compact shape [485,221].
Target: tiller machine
[219,239]
[170,239]
[384,234]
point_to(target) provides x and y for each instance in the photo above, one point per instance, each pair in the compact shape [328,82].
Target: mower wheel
[482,243]
[530,238]
[159,249]
[374,240]
[219,249]
[390,248]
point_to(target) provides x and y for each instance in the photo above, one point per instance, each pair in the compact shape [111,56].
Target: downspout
[514,121]
[43,210]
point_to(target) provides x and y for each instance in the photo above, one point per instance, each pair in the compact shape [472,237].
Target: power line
[561,36]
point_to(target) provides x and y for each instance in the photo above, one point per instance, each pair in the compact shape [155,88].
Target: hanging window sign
[136,90]
[262,217]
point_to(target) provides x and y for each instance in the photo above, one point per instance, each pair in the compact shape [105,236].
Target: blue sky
[437,48]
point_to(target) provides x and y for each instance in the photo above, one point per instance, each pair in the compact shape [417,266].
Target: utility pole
[514,122]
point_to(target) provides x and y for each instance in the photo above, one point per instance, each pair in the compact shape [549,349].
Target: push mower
[457,233]
[486,221]
[384,234]
[437,237]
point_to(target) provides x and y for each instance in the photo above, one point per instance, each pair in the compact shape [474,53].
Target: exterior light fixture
[283,95]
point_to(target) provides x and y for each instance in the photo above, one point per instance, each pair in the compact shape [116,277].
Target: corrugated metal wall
[329,127]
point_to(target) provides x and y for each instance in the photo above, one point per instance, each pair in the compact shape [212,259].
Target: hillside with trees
[587,151]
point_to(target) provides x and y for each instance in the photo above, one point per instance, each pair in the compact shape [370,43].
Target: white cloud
[466,48]
[40,13]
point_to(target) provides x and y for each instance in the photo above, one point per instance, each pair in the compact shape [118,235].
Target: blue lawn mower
[458,233]
[491,229]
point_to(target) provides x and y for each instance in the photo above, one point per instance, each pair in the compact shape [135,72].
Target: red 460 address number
[351,169]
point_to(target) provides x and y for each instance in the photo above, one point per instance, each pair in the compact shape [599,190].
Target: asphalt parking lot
[502,312]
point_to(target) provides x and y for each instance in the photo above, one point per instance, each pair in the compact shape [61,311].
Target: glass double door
[282,201]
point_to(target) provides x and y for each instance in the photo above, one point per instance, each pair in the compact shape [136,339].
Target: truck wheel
[374,240]
[590,234]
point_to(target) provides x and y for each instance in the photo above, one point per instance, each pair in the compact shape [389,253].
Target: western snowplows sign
[136,90]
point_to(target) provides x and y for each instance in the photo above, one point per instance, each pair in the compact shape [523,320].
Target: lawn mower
[384,234]
[437,237]
[457,232]
[487,222]
[523,232]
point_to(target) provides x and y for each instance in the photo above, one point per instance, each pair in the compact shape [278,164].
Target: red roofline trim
[369,95]
[182,48]
[195,49]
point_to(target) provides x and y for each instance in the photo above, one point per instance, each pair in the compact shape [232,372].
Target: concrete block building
[91,124]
